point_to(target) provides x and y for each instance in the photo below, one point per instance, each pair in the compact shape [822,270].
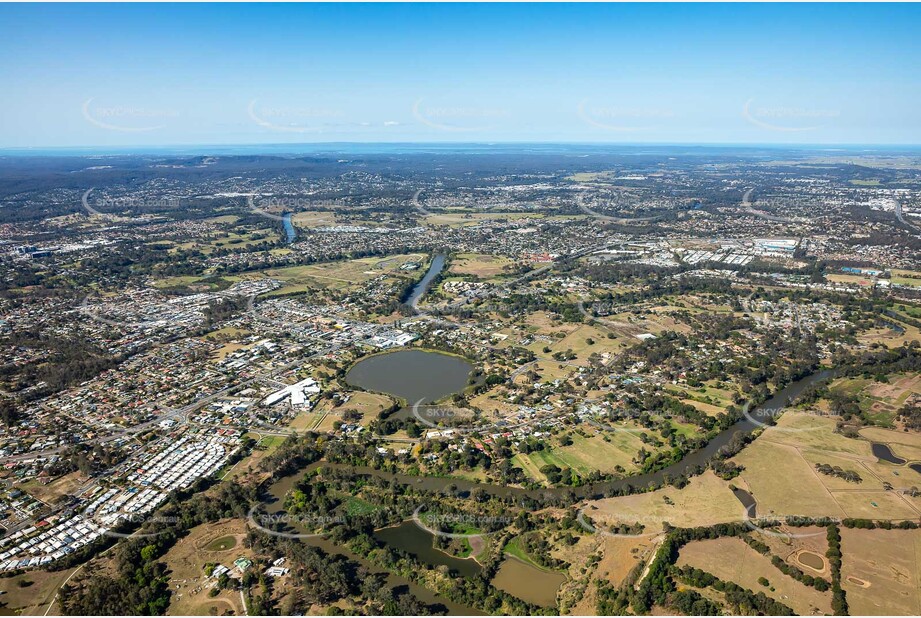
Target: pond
[414,540]
[395,581]
[273,503]
[884,453]
[412,374]
[527,582]
[811,560]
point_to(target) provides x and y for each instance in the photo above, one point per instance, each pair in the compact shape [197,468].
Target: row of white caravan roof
[57,554]
[60,540]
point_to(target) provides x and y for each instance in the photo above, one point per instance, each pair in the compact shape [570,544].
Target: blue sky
[125,75]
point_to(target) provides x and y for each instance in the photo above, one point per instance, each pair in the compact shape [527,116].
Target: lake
[412,374]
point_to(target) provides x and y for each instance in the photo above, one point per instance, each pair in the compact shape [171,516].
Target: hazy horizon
[140,76]
[360,148]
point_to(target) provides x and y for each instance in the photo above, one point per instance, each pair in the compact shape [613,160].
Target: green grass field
[586,454]
[906,277]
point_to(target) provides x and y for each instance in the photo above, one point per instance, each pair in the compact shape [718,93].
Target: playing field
[851,280]
[463,219]
[906,277]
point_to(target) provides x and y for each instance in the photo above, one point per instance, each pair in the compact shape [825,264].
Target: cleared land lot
[578,341]
[707,408]
[780,471]
[186,562]
[732,560]
[325,417]
[619,556]
[32,599]
[783,483]
[313,218]
[706,500]
[889,337]
[479,265]
[881,400]
[547,370]
[51,492]
[881,571]
[340,275]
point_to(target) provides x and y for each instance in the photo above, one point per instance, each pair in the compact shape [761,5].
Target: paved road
[747,206]
[901,217]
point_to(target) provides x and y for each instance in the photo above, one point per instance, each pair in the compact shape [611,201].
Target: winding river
[290,232]
[416,541]
[698,458]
